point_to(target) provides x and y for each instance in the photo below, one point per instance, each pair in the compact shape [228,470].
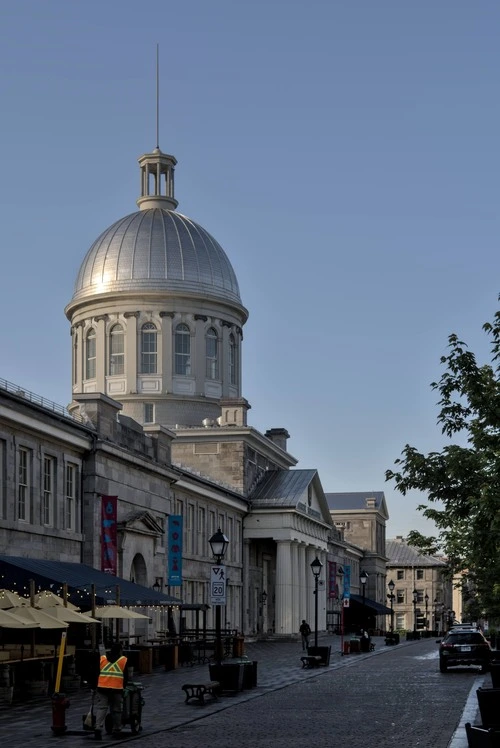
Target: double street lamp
[391,586]
[363,578]
[316,567]
[218,544]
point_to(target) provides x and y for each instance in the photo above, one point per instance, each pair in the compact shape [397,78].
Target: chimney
[278,437]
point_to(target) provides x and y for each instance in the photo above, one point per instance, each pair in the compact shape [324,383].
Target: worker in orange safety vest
[109,695]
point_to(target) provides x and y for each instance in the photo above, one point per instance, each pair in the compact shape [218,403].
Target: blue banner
[347,582]
[174,571]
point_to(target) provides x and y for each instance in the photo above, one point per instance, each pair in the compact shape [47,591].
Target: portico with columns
[287,528]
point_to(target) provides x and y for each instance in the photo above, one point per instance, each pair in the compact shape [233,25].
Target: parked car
[464,647]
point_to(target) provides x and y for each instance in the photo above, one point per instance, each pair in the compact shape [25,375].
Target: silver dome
[157,250]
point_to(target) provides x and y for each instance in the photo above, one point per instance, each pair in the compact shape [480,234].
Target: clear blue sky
[346,156]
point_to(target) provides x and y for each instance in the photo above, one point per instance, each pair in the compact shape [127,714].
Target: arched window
[182,350]
[211,354]
[148,349]
[90,354]
[233,361]
[116,350]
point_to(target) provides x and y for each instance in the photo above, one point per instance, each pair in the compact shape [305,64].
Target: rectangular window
[232,540]
[420,573]
[400,574]
[23,484]
[400,621]
[400,596]
[189,529]
[49,475]
[420,596]
[70,498]
[149,413]
[202,532]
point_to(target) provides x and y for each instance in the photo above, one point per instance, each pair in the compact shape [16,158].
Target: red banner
[109,546]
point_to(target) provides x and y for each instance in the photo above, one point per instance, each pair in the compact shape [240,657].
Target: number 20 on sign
[218,585]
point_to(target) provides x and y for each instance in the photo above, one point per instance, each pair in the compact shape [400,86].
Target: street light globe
[391,586]
[218,544]
[316,567]
[363,577]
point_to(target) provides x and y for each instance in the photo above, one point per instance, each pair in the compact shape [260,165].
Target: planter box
[229,675]
[488,700]
[323,652]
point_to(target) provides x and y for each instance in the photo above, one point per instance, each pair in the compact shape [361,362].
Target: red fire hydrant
[59,705]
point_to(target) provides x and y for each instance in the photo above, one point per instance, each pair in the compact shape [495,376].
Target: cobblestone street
[393,696]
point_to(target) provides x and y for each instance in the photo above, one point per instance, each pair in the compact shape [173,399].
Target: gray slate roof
[401,554]
[354,500]
[282,488]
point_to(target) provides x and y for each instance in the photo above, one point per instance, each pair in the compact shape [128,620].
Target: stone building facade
[158,419]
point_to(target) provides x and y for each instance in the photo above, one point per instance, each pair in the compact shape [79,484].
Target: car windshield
[465,637]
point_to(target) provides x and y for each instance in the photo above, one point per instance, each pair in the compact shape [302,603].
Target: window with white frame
[202,532]
[233,361]
[400,574]
[182,346]
[232,540]
[116,351]
[70,497]
[90,354]
[190,536]
[400,621]
[149,413]
[23,483]
[149,351]
[420,573]
[400,596]
[212,354]
[49,477]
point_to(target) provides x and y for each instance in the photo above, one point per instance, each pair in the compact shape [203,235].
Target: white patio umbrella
[44,620]
[47,599]
[9,620]
[10,599]
[115,611]
[69,615]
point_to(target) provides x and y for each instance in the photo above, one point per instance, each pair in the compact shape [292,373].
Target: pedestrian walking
[305,632]
[109,693]
[365,641]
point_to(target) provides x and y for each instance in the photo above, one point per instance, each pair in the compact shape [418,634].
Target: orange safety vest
[111,673]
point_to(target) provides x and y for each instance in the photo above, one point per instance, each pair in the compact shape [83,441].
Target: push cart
[131,709]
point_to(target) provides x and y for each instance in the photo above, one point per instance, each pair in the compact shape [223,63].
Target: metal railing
[42,402]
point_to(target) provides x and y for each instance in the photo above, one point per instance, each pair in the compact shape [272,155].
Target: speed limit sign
[218,585]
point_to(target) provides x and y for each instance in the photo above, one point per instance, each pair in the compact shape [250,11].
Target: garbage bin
[145,664]
[238,645]
[346,648]
[354,646]
[228,674]
[488,700]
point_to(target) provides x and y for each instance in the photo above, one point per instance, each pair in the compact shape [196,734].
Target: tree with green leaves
[462,482]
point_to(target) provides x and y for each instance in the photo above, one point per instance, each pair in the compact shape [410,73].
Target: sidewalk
[278,666]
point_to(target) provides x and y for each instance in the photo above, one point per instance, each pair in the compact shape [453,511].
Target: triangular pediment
[142,523]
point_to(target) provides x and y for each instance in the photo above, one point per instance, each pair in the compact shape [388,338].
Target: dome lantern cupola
[157,181]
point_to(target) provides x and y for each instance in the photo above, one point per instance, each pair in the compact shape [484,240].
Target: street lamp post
[218,544]
[363,578]
[391,586]
[316,567]
[415,600]
[426,599]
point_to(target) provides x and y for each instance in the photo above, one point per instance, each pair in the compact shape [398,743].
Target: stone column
[302,612]
[131,362]
[198,354]
[78,357]
[100,352]
[283,619]
[295,608]
[246,623]
[167,348]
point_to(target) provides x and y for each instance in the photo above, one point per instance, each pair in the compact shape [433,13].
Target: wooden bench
[200,690]
[311,661]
